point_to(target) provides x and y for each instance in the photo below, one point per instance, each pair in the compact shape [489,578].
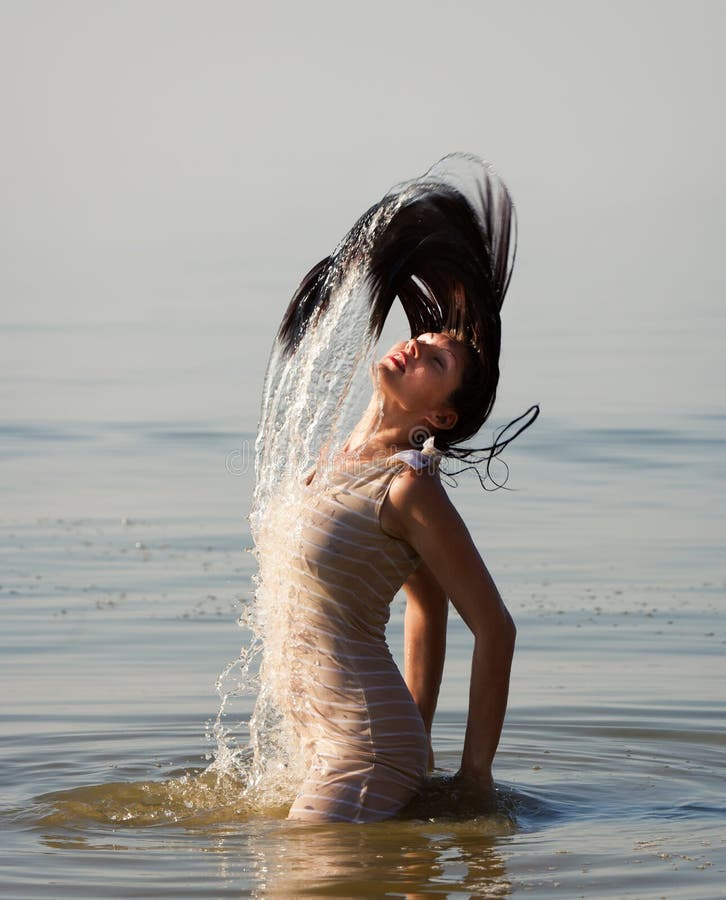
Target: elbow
[508,633]
[499,637]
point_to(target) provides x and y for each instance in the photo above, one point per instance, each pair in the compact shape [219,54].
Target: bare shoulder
[417,500]
[410,487]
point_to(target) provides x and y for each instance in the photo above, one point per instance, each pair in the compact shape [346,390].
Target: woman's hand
[475,790]
[457,796]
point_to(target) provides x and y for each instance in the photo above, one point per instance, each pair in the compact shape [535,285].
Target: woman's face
[422,373]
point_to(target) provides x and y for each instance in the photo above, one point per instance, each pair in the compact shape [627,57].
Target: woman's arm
[424,642]
[425,517]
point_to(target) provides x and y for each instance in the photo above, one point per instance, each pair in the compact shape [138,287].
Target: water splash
[310,403]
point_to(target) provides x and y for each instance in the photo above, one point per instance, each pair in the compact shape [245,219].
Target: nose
[412,348]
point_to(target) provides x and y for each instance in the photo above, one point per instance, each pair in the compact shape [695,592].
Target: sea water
[124,572]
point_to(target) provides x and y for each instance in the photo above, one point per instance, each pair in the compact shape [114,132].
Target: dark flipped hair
[446,253]
[473,399]
[478,384]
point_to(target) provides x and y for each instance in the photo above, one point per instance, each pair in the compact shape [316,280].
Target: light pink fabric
[363,736]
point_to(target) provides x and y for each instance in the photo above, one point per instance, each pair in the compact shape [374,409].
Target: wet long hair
[447,255]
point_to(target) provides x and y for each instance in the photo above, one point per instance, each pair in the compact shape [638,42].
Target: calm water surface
[122,574]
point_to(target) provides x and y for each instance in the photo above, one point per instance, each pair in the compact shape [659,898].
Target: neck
[379,432]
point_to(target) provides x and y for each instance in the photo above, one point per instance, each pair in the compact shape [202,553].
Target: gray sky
[188,161]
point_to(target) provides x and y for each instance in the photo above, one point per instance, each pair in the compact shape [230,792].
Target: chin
[378,373]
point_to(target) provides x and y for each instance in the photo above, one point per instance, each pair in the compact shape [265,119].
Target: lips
[400,360]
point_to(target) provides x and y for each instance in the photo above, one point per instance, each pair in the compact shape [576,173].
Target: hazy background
[171,169]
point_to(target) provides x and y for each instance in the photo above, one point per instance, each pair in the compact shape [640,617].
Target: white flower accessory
[429,448]
[426,458]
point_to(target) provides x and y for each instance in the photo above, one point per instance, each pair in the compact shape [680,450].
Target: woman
[373,515]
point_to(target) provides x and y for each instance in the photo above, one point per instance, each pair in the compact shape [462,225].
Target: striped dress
[362,737]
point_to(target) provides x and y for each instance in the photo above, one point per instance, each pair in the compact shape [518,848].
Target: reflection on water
[409,856]
[397,859]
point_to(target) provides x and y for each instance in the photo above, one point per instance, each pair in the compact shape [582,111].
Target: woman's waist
[332,671]
[334,698]
[342,660]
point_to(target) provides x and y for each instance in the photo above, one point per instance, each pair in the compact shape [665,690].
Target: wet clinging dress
[362,735]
